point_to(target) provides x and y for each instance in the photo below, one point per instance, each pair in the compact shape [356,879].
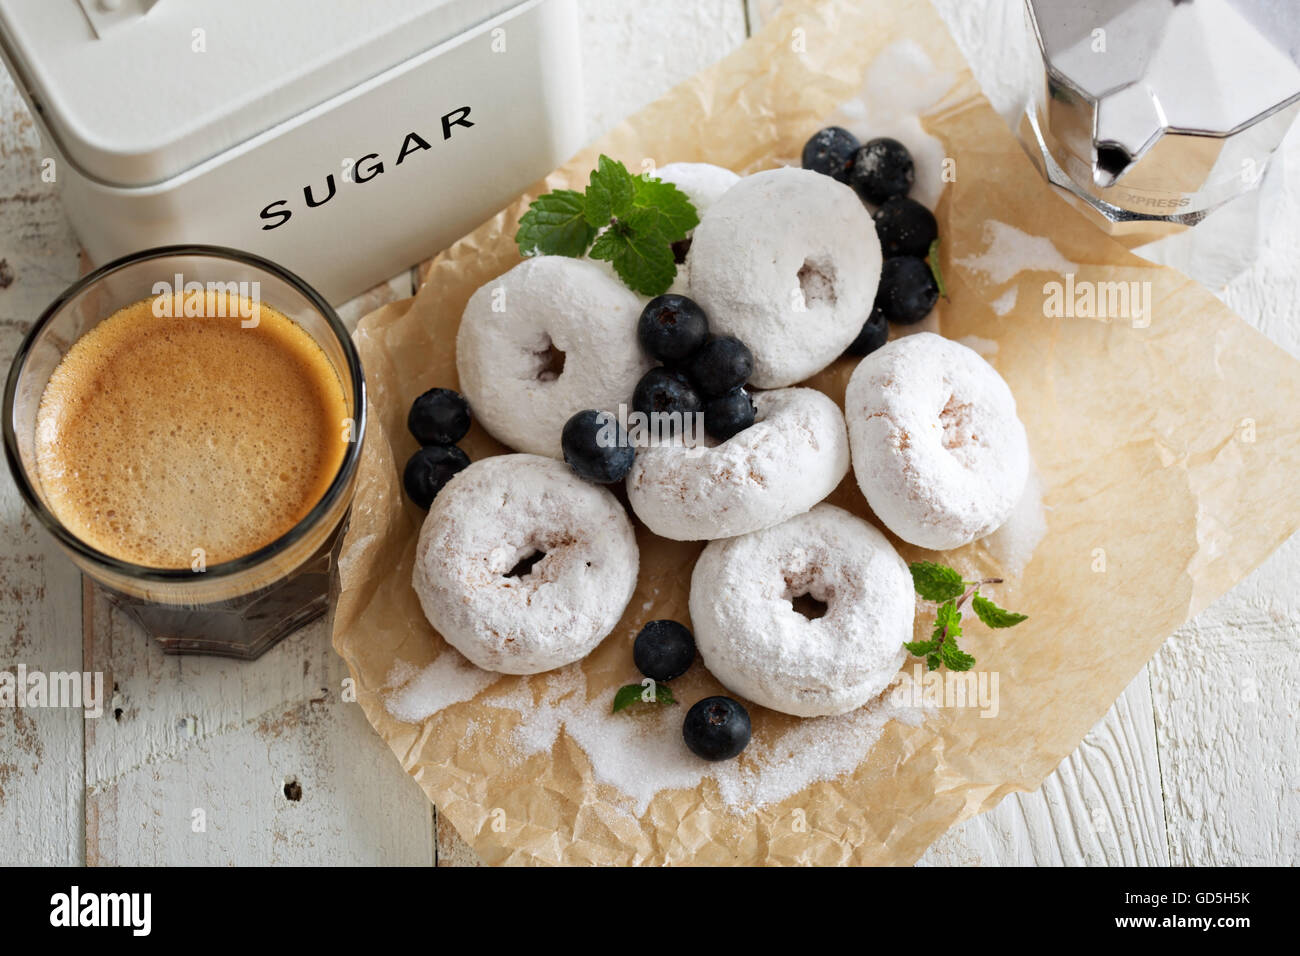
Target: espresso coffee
[166,440]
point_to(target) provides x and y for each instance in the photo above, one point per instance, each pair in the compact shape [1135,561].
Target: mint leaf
[638,252]
[936,582]
[994,616]
[919,648]
[932,260]
[947,622]
[933,662]
[629,694]
[954,658]
[609,192]
[555,225]
[676,214]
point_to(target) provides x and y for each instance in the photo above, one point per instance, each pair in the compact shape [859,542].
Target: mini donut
[788,262]
[758,645]
[498,612]
[937,447]
[510,331]
[792,457]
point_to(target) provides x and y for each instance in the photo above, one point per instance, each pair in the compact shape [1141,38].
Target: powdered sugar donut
[510,333]
[792,457]
[788,262]
[501,614]
[937,447]
[758,645]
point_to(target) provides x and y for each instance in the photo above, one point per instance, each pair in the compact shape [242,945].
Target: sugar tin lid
[137,91]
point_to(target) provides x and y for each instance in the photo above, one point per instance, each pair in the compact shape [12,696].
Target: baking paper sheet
[1168,452]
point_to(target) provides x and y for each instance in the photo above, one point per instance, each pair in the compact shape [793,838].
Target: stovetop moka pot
[1150,114]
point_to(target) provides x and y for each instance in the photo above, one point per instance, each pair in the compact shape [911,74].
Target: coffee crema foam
[159,436]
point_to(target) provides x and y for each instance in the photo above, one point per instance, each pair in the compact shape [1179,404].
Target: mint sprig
[641,217]
[940,583]
[648,691]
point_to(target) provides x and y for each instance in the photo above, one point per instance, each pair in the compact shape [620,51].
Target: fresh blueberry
[595,447]
[671,327]
[830,151]
[907,290]
[720,364]
[874,334]
[438,417]
[716,728]
[664,650]
[429,469]
[728,414]
[666,391]
[905,228]
[882,169]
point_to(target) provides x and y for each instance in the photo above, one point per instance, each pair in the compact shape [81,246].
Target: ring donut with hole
[792,457]
[549,338]
[787,261]
[747,602]
[938,449]
[522,566]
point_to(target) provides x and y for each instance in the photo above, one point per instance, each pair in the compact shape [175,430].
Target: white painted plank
[1102,805]
[1224,690]
[278,767]
[40,591]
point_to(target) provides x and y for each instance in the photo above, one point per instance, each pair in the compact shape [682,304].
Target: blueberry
[907,290]
[438,417]
[830,151]
[882,169]
[429,469]
[671,327]
[728,414]
[874,334]
[664,650]
[905,228]
[720,364]
[664,390]
[595,447]
[716,728]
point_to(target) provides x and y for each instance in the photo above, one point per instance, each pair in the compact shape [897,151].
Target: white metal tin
[396,159]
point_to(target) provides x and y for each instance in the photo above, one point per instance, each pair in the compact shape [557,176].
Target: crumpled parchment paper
[1168,454]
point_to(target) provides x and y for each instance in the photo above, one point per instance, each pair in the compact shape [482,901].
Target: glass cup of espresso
[187,422]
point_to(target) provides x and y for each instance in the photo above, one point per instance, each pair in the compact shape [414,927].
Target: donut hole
[524,566]
[809,606]
[807,593]
[550,362]
[816,283]
[958,424]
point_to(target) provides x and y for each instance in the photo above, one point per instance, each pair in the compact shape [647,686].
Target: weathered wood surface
[209,761]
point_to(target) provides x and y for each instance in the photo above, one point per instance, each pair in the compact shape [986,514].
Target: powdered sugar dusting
[986,348]
[1008,252]
[1006,301]
[422,693]
[641,753]
[1013,544]
[902,84]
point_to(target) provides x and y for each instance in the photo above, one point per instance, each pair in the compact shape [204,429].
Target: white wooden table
[210,761]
